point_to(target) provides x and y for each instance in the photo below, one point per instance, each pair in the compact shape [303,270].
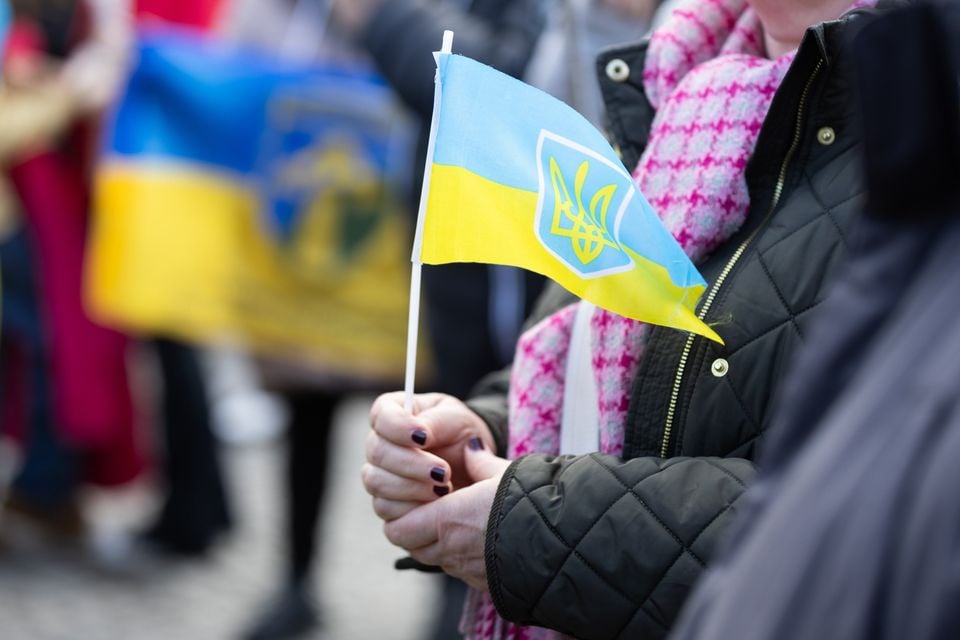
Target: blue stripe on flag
[489,124]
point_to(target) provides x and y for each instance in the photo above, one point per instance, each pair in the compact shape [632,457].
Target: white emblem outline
[541,198]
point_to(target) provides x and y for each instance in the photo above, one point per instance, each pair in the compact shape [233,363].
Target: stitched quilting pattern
[634,489]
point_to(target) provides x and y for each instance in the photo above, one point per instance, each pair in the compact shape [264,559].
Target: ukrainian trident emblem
[581,203]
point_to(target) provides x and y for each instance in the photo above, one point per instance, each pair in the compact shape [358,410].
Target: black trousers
[308,456]
[195,509]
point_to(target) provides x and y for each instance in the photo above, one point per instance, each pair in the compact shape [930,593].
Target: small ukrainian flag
[519,178]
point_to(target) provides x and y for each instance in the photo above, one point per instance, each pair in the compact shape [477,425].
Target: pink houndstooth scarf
[707,76]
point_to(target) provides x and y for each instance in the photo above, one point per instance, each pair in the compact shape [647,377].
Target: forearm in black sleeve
[596,547]
[402,34]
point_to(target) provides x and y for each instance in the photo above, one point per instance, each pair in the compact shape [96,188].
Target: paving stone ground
[55,592]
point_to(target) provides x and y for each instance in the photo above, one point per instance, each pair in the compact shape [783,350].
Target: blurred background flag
[245,197]
[519,178]
[4,24]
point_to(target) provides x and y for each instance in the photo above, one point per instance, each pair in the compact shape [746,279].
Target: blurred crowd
[789,483]
[90,400]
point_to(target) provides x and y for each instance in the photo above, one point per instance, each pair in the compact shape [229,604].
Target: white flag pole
[413,319]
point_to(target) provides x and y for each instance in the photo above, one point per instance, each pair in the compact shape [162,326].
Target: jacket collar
[629,113]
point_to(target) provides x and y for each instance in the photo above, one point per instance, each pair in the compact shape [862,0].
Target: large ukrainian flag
[519,178]
[245,198]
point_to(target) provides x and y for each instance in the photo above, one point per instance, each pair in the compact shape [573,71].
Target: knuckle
[381,508]
[376,451]
[371,479]
[381,405]
[429,556]
[370,445]
[391,533]
[421,556]
[365,475]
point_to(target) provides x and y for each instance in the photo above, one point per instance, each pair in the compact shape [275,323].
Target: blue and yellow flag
[520,178]
[245,198]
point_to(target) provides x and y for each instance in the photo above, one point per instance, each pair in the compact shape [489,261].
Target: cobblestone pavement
[54,592]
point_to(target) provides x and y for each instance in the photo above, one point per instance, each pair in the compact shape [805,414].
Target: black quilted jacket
[601,547]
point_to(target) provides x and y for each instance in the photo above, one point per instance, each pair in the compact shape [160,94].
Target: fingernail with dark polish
[475,443]
[438,474]
[419,436]
[441,490]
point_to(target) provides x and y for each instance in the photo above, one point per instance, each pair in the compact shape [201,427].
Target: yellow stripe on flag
[183,252]
[472,219]
[178,227]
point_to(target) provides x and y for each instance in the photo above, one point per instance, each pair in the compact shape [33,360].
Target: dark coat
[601,547]
[853,530]
[402,33]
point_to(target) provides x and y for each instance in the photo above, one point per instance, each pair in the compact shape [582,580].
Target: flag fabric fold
[519,178]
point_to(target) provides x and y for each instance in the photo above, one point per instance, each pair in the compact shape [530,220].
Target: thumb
[481,463]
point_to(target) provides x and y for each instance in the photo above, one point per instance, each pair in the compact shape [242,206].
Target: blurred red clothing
[202,14]
[91,399]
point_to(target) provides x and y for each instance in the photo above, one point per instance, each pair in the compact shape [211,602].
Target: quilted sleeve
[597,547]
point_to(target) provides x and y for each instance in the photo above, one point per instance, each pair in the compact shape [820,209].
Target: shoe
[126,555]
[62,522]
[289,616]
[176,543]
[29,527]
[182,536]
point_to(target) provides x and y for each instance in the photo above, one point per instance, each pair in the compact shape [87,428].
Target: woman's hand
[413,459]
[451,533]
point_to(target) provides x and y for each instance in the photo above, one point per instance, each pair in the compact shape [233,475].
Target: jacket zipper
[708,301]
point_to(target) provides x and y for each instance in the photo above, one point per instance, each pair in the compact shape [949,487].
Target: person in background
[576,32]
[851,530]
[195,510]
[64,385]
[473,312]
[65,377]
[300,31]
[736,118]
[486,303]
